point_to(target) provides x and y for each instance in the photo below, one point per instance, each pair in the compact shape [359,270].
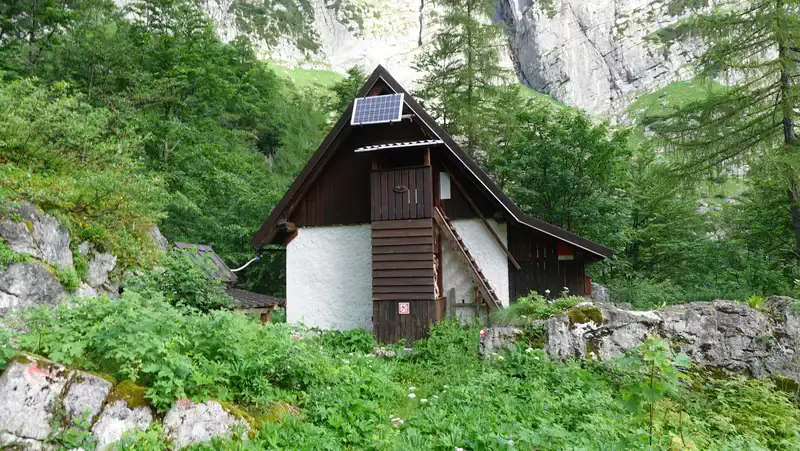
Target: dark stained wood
[400,281]
[402,257]
[427,210]
[401,240]
[403,224]
[392,273]
[399,194]
[540,268]
[415,249]
[397,233]
[405,289]
[420,264]
[390,327]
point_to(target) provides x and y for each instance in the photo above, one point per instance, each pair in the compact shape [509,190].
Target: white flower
[350,354]
[412,388]
[546,291]
[501,357]
[446,386]
[529,350]
[329,387]
[435,397]
[459,449]
[510,442]
[412,395]
[423,400]
[536,357]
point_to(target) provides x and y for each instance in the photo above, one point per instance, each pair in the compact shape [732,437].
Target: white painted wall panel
[487,253]
[329,277]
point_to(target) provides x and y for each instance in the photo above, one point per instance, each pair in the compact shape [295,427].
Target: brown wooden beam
[485,222]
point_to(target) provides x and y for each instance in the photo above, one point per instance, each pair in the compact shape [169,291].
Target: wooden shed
[391,227]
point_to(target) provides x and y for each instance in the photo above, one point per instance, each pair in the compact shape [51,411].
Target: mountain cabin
[391,227]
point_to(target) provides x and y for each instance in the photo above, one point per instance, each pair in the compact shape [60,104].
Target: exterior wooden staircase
[481,282]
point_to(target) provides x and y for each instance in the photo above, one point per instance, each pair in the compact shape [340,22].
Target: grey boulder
[85,396]
[22,284]
[187,423]
[29,393]
[725,335]
[38,235]
[117,419]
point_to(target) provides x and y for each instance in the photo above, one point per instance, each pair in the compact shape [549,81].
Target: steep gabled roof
[268,230]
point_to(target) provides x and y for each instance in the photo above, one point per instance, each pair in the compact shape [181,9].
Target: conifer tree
[751,48]
[461,69]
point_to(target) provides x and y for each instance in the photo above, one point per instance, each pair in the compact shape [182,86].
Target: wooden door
[402,194]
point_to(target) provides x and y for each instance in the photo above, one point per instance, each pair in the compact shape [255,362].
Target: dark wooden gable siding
[457,207]
[541,270]
[341,194]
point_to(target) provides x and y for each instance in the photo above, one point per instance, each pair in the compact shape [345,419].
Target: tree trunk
[789,136]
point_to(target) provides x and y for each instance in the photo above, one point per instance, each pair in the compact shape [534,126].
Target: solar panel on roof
[377,109]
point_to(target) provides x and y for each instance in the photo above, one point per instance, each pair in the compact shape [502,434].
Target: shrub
[354,340]
[532,307]
[645,294]
[9,257]
[185,279]
[68,279]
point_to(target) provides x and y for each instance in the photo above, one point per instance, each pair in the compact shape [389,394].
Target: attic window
[444,185]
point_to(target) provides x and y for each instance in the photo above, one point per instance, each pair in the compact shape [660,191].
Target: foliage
[751,48]
[346,90]
[186,279]
[533,307]
[349,399]
[562,168]
[461,69]
[9,257]
[62,154]
[68,278]
[646,294]
[656,374]
[354,340]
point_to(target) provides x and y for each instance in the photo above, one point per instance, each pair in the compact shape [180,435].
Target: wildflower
[483,333]
[350,354]
[412,388]
[501,357]
[412,395]
[329,387]
[459,449]
[435,397]
[423,400]
[529,350]
[510,442]
[396,422]
[546,291]
[536,357]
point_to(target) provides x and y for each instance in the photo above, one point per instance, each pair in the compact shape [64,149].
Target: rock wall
[588,54]
[724,335]
[593,54]
[40,398]
[46,245]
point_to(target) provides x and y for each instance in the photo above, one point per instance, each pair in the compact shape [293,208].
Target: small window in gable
[444,185]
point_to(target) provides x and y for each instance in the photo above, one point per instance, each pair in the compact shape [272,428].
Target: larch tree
[751,48]
[461,69]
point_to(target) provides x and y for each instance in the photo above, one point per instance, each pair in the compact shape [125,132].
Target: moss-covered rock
[134,395]
[585,314]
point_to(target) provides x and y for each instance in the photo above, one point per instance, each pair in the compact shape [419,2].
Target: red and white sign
[403,308]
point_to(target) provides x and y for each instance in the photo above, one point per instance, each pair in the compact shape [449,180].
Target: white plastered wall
[329,277]
[490,258]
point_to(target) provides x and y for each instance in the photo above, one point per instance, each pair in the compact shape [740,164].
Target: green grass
[663,101]
[308,78]
[530,93]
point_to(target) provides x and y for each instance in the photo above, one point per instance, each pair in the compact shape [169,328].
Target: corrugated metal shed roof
[248,299]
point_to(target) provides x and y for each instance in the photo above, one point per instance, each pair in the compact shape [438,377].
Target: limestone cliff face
[593,54]
[588,54]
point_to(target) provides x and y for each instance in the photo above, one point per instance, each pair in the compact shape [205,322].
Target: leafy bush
[185,279]
[534,306]
[68,278]
[354,340]
[645,294]
[9,257]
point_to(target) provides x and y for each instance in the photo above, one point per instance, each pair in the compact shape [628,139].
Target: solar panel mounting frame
[396,118]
